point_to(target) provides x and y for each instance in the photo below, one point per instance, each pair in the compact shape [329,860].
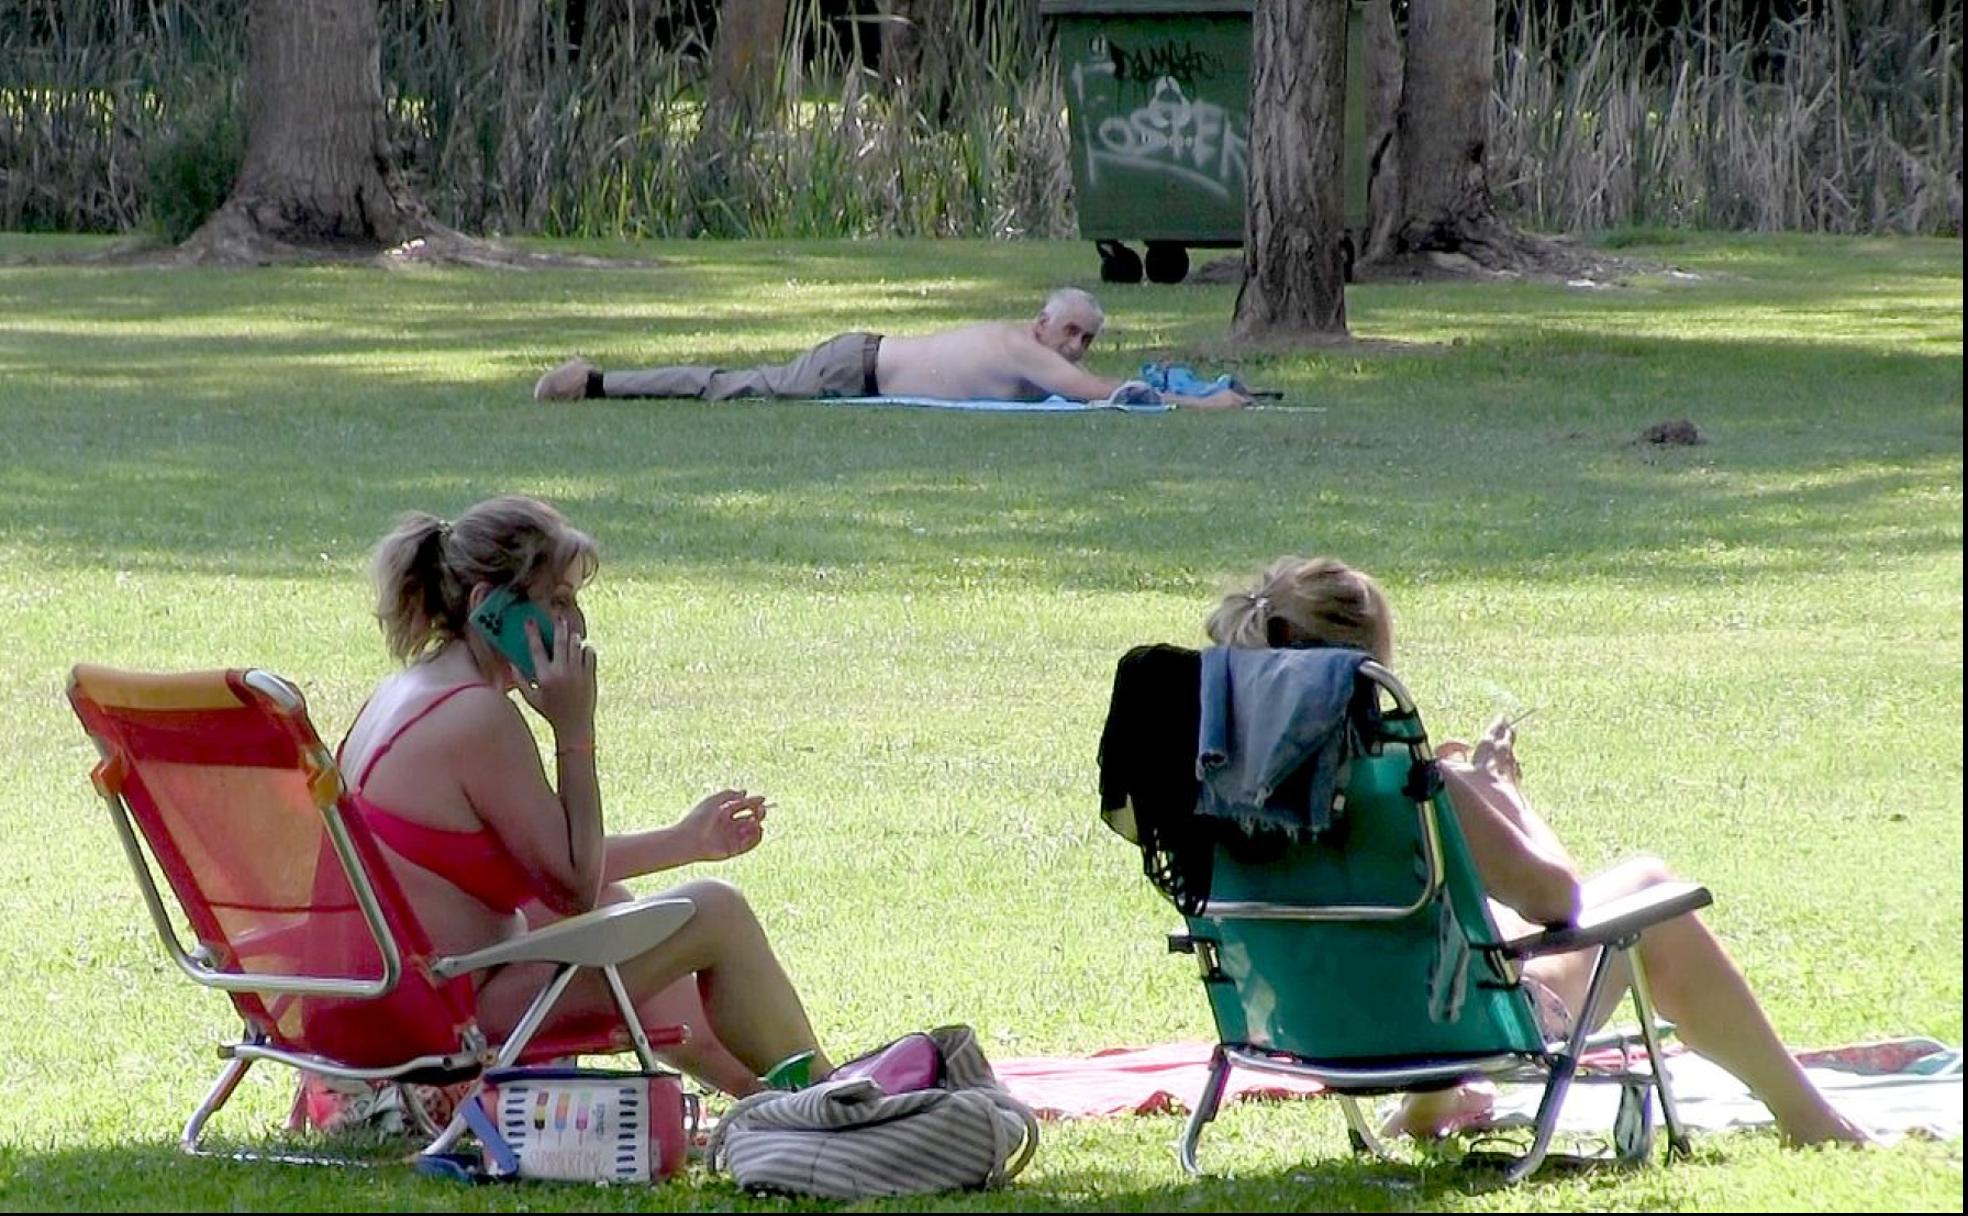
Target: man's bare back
[992,361]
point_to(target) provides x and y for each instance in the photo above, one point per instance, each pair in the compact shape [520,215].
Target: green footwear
[793,1072]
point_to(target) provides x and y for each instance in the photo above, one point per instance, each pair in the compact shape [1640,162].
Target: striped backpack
[846,1139]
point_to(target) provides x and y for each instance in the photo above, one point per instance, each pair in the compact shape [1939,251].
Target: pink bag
[910,1063]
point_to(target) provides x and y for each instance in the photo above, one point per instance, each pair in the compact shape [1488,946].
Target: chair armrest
[1614,921]
[604,937]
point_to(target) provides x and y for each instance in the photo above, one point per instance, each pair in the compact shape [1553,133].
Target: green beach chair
[1366,959]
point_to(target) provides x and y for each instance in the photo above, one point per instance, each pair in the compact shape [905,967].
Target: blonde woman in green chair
[1533,880]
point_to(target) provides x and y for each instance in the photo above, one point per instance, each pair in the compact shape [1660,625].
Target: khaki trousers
[839,367]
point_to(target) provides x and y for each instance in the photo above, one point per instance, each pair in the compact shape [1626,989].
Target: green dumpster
[1158,108]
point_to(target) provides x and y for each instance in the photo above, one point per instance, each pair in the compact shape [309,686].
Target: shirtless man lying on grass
[992,361]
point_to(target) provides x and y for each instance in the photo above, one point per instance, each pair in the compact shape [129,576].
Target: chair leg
[1360,1131]
[1562,1073]
[631,1019]
[1555,1089]
[453,1131]
[220,1094]
[529,1025]
[1206,1105]
[1643,1005]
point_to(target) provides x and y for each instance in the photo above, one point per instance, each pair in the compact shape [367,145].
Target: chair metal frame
[602,939]
[1613,930]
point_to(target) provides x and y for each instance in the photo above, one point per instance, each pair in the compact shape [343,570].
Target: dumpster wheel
[1118,263]
[1167,262]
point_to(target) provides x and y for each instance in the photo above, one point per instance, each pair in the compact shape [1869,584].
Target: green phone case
[502,620]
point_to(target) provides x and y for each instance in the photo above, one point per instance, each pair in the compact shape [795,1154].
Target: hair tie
[443,529]
[1262,604]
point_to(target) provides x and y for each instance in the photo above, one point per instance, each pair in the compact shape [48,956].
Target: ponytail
[408,571]
[1241,621]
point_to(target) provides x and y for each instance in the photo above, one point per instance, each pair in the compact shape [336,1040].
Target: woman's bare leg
[1696,985]
[1693,980]
[750,1007]
[701,1056]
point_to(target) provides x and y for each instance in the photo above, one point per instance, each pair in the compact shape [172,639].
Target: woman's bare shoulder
[445,714]
[481,705]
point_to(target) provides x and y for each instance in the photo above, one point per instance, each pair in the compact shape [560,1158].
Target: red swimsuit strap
[415,718]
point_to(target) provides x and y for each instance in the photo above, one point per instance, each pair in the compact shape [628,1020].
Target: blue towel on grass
[1181,378]
[1132,397]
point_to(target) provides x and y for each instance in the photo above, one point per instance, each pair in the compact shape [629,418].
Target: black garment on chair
[1148,758]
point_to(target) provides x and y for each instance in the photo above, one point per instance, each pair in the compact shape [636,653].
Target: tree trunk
[916,38]
[745,56]
[1435,201]
[1444,122]
[316,174]
[510,51]
[744,68]
[1295,203]
[1383,154]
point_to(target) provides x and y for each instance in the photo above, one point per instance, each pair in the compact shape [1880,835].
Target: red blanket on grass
[1168,1079]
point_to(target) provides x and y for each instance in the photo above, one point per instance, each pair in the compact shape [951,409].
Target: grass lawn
[1746,655]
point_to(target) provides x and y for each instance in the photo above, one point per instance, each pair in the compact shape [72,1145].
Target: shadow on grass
[781,494]
[153,1177]
[213,422]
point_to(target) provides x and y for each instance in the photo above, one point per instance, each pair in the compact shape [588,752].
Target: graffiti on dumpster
[1149,63]
[1171,133]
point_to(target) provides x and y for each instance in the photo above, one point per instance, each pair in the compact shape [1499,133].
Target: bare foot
[1826,1126]
[568,382]
[1442,1112]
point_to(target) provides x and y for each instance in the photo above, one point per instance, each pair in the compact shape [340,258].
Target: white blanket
[1892,1090]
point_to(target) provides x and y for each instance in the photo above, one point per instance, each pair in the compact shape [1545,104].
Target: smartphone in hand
[501,621]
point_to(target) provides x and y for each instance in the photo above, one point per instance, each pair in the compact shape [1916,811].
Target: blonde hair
[425,569]
[1301,601]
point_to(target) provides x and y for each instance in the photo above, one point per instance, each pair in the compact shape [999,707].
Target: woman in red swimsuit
[451,782]
[1532,878]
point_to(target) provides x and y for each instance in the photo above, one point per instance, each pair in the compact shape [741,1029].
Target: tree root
[231,239]
[1486,247]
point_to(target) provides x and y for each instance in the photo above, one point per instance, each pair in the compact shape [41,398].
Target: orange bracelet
[587,746]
